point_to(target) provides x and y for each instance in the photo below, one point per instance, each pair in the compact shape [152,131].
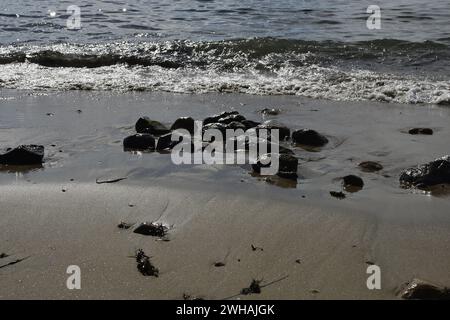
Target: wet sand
[216,213]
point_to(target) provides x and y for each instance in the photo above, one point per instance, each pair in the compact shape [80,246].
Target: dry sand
[216,213]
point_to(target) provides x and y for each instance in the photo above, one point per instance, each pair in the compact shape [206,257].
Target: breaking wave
[384,70]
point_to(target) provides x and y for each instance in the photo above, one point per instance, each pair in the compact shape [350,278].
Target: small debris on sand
[113,180]
[144,265]
[124,225]
[13,262]
[256,248]
[339,195]
[191,298]
[255,287]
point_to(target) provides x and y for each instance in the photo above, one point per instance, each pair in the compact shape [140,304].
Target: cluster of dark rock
[153,135]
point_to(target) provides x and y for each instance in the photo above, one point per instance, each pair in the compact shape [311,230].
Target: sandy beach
[298,239]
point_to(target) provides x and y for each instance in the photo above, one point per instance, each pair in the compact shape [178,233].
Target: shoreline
[216,213]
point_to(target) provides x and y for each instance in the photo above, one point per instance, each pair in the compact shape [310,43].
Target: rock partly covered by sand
[309,137]
[427,175]
[23,155]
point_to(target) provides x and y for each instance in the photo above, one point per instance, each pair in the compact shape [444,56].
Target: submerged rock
[418,289]
[424,131]
[186,123]
[147,125]
[370,166]
[284,132]
[427,175]
[287,165]
[139,141]
[352,183]
[309,137]
[23,155]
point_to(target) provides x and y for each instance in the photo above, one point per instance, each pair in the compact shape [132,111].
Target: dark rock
[139,141]
[427,175]
[353,183]
[216,117]
[270,111]
[231,118]
[147,125]
[370,166]
[288,165]
[425,131]
[284,150]
[283,131]
[218,126]
[339,195]
[151,229]
[250,124]
[235,125]
[165,142]
[309,137]
[186,123]
[23,155]
[219,264]
[144,265]
[423,290]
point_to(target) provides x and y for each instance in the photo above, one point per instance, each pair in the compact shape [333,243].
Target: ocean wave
[383,70]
